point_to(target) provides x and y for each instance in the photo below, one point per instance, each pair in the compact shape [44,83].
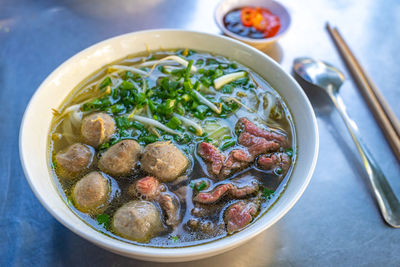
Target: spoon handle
[387,200]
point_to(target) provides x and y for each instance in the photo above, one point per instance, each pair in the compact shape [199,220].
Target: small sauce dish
[226,6]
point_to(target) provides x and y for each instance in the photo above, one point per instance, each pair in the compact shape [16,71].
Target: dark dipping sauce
[249,22]
[252,135]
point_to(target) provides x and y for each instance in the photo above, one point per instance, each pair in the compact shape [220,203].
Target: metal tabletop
[336,221]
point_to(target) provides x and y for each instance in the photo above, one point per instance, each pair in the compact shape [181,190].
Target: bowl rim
[219,21]
[179,253]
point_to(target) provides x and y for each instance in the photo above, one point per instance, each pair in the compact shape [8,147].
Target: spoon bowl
[319,73]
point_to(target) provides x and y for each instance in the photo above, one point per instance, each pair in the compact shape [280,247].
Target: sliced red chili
[247,15]
[272,23]
[260,19]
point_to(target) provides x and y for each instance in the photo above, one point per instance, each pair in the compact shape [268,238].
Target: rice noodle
[151,128]
[118,83]
[132,69]
[270,105]
[227,78]
[68,131]
[180,60]
[144,87]
[157,124]
[150,63]
[240,103]
[199,130]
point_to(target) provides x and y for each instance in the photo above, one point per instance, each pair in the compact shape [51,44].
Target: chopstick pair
[384,115]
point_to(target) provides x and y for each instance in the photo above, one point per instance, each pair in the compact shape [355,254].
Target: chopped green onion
[228,144]
[174,123]
[117,108]
[137,125]
[278,171]
[103,219]
[206,81]
[174,238]
[188,68]
[227,89]
[106,82]
[267,194]
[148,139]
[289,152]
[201,186]
[126,85]
[186,97]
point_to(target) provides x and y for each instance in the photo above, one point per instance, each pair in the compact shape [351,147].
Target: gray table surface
[336,221]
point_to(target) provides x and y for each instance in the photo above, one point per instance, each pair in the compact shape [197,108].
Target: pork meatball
[137,220]
[164,160]
[120,158]
[74,159]
[97,128]
[90,192]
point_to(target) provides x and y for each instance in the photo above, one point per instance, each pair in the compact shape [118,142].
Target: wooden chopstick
[372,87]
[378,105]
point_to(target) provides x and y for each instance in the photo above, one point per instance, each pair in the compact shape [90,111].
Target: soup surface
[172,148]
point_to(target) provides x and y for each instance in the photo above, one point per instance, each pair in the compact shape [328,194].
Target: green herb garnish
[267,194]
[201,186]
[278,171]
[228,144]
[188,68]
[174,123]
[227,89]
[148,139]
[70,202]
[289,152]
[53,164]
[126,85]
[103,219]
[106,82]
[174,238]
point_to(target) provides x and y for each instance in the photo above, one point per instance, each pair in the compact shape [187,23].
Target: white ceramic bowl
[51,93]
[224,6]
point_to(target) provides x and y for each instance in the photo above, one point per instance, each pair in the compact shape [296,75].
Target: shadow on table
[72,250]
[325,110]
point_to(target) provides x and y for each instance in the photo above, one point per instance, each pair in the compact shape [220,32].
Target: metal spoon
[329,79]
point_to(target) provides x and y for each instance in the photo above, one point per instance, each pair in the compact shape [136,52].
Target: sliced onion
[227,78]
